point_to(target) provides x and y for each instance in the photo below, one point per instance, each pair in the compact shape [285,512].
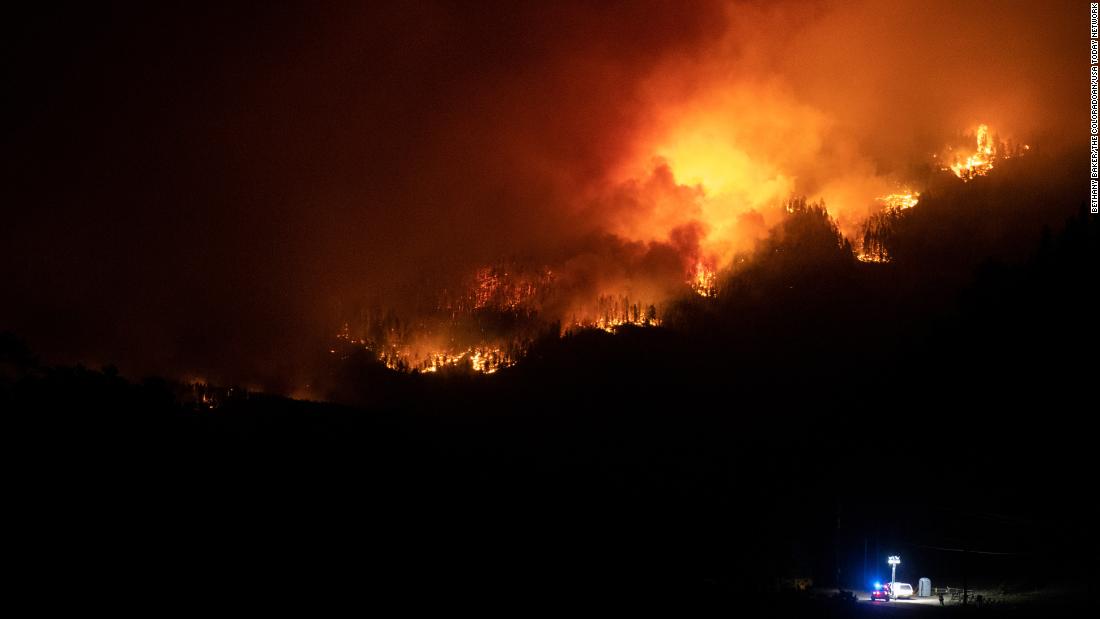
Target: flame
[425,358]
[612,312]
[705,182]
[704,280]
[980,162]
[502,288]
[485,360]
[611,325]
[485,327]
[732,156]
[876,257]
[904,199]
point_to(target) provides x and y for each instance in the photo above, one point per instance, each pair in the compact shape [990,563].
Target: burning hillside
[672,244]
[968,162]
[906,198]
[368,159]
[489,325]
[704,280]
[964,162]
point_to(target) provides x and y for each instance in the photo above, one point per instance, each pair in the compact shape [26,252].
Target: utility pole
[965,591]
[894,560]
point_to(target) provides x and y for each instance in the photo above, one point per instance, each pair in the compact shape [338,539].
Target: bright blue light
[878,585]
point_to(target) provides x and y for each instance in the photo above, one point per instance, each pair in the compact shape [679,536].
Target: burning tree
[968,163]
[877,238]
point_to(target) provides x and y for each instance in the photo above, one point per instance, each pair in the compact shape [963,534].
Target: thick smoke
[211,193]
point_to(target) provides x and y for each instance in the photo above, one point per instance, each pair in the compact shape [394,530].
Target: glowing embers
[504,288]
[480,359]
[488,283]
[980,162]
[905,198]
[413,354]
[967,164]
[873,244]
[613,312]
[879,256]
[703,280]
[878,236]
[613,324]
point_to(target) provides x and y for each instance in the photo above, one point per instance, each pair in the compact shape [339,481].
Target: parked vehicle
[903,590]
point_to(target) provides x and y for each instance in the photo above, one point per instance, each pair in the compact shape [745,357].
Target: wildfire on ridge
[869,256]
[486,323]
[612,324]
[962,163]
[482,359]
[967,165]
[871,248]
[500,289]
[612,312]
[704,280]
[411,357]
[905,198]
[503,288]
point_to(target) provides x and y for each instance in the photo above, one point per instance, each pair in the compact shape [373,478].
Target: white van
[903,590]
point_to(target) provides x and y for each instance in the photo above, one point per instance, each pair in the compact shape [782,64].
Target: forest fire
[704,280]
[967,164]
[867,256]
[488,325]
[481,359]
[489,318]
[612,323]
[497,288]
[610,312]
[964,164]
[425,358]
[980,162]
[906,198]
[473,192]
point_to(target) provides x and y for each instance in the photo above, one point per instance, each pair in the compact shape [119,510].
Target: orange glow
[612,312]
[704,281]
[904,199]
[877,257]
[967,164]
[481,359]
[733,155]
[714,182]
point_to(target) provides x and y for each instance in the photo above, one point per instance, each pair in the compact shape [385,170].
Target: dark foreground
[702,467]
